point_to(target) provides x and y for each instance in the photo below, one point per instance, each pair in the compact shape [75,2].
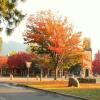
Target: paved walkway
[21,79]
[17,79]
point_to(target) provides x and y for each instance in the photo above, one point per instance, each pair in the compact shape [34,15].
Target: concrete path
[11,92]
[23,79]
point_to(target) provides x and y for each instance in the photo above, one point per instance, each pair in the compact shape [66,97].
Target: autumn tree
[18,60]
[53,35]
[10,16]
[3,62]
[96,63]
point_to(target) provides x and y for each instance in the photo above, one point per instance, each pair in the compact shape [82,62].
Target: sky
[84,15]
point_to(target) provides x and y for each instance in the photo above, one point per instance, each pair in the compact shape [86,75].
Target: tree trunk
[48,72]
[1,72]
[56,74]
[62,73]
[41,72]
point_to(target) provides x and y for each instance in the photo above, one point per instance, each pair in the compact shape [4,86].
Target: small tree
[3,62]
[19,59]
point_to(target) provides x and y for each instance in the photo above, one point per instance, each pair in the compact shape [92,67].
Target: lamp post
[28,65]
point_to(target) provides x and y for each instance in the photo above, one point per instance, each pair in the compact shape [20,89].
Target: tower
[87,57]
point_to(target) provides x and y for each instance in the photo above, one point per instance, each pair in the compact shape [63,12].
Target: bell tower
[87,57]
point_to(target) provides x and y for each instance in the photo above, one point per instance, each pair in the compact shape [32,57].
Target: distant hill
[11,45]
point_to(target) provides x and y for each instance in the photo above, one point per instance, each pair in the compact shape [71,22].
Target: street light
[28,65]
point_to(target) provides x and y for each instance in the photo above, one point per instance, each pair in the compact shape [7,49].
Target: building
[87,57]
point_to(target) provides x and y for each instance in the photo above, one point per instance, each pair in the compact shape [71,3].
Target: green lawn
[92,94]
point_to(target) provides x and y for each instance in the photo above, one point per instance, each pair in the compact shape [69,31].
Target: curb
[76,97]
[22,85]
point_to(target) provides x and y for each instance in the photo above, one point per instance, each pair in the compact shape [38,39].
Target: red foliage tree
[53,35]
[3,60]
[19,59]
[96,63]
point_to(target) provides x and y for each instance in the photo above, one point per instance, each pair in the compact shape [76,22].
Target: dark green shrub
[86,80]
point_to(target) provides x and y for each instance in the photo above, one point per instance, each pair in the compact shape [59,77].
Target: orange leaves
[38,37]
[3,60]
[56,49]
[53,35]
[58,43]
[75,38]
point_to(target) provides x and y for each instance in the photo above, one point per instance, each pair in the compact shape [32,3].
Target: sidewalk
[25,80]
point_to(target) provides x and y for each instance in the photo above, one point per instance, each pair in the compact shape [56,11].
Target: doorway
[86,72]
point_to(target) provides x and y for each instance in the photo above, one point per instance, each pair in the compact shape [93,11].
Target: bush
[86,80]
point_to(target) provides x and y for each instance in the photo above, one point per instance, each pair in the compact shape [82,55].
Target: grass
[90,91]
[92,94]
